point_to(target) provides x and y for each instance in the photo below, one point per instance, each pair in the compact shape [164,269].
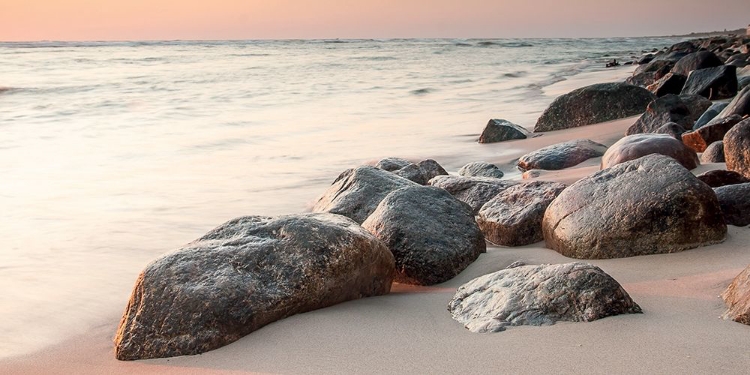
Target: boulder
[392,164]
[740,105]
[561,155]
[645,59]
[713,83]
[669,108]
[650,205]
[743,82]
[432,235]
[245,274]
[474,191]
[411,172]
[734,200]
[714,153]
[739,60]
[539,295]
[430,168]
[499,130]
[594,104]
[699,139]
[710,114]
[357,192]
[480,169]
[671,129]
[696,105]
[659,67]
[737,148]
[514,216]
[638,145]
[669,84]
[719,177]
[419,173]
[644,79]
[686,47]
[695,61]
[737,298]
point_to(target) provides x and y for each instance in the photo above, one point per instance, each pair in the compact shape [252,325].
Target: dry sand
[411,331]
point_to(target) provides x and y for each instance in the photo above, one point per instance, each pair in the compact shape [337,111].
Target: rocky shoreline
[415,223]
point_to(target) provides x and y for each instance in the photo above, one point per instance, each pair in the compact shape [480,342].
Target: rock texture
[737,298]
[650,205]
[671,129]
[392,164]
[419,173]
[710,114]
[713,83]
[714,153]
[594,104]
[561,155]
[357,192]
[499,130]
[539,295]
[514,216]
[699,140]
[432,235]
[735,203]
[719,177]
[669,84]
[740,105]
[474,191]
[245,274]
[695,61]
[737,148]
[480,169]
[430,169]
[669,108]
[638,145]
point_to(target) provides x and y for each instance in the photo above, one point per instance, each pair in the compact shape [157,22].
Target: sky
[86,20]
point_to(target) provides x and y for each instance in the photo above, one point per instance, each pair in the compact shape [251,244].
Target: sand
[411,331]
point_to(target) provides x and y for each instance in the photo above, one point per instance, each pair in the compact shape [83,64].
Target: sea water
[112,153]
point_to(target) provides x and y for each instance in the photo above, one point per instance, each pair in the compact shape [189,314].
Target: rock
[714,153]
[699,139]
[734,200]
[594,104]
[561,155]
[659,67]
[739,60]
[432,235]
[669,84]
[498,130]
[514,216]
[411,172]
[719,177]
[357,192]
[480,169]
[534,173]
[650,205]
[740,105]
[695,61]
[743,82]
[669,108]
[431,168]
[710,114]
[737,148]
[687,47]
[672,57]
[644,79]
[645,59]
[474,191]
[392,164]
[737,298]
[638,145]
[713,83]
[539,295]
[245,274]
[696,105]
[671,129]
[419,173]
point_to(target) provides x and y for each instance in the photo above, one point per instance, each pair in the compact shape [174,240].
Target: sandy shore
[411,331]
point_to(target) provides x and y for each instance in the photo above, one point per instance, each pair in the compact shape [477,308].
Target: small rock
[561,155]
[636,146]
[737,298]
[411,172]
[735,203]
[431,168]
[714,153]
[499,130]
[480,169]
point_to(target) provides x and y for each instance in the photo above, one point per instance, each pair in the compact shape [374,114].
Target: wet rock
[561,155]
[499,130]
[714,153]
[638,145]
[710,114]
[480,169]
[737,148]
[719,177]
[650,205]
[734,200]
[737,298]
[432,235]
[514,216]
[699,139]
[474,191]
[539,295]
[669,84]
[245,274]
[669,108]
[695,61]
[671,129]
[357,192]
[594,104]
[713,83]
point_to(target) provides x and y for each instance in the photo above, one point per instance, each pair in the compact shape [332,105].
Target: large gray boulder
[514,216]
[498,130]
[594,104]
[735,203]
[432,235]
[561,155]
[357,192]
[669,84]
[695,61]
[638,145]
[474,191]
[699,140]
[737,298]
[480,169]
[245,274]
[713,83]
[650,205]
[737,148]
[539,295]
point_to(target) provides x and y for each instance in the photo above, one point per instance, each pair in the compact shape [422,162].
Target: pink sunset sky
[31,20]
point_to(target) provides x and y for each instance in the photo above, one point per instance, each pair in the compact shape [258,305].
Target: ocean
[113,153]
